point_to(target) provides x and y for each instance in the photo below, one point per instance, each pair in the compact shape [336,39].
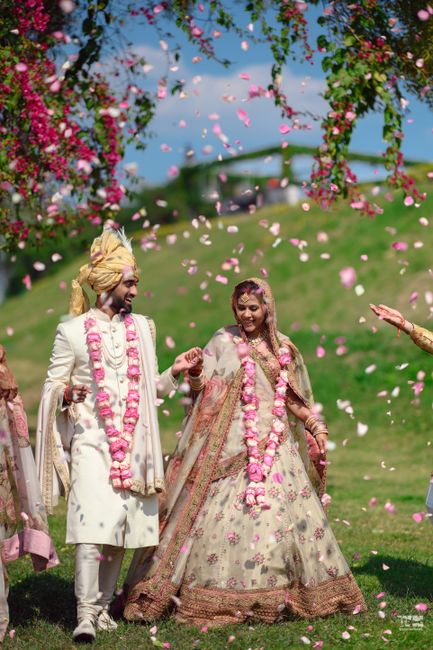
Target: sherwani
[98,513]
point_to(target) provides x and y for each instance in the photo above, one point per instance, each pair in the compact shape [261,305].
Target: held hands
[76,394]
[191,360]
[391,316]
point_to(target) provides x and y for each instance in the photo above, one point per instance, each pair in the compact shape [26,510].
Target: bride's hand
[192,358]
[195,357]
[391,316]
[322,442]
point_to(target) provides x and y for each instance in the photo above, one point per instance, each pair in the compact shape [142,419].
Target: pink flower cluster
[259,466]
[120,442]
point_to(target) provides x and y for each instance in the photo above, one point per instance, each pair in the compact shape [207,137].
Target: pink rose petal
[348,277]
[421,607]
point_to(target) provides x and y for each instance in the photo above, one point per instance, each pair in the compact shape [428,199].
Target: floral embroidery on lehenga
[245,568]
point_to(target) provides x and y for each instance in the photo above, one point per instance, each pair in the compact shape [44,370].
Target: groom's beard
[121,306]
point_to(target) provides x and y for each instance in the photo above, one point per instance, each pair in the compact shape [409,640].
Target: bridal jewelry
[255,342]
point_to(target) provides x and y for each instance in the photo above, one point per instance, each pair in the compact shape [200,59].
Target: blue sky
[214,95]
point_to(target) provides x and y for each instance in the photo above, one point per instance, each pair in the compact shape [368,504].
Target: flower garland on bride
[260,465]
[120,442]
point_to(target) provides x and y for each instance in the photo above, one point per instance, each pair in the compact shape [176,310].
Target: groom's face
[122,296]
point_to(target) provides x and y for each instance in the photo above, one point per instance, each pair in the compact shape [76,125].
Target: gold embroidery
[52,457]
[159,588]
[235,464]
[214,607]
[147,490]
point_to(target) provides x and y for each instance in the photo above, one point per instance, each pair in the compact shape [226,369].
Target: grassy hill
[392,461]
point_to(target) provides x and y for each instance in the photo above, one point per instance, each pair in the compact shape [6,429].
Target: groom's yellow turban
[111,259]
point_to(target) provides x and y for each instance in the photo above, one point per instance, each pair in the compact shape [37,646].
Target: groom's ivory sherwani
[98,513]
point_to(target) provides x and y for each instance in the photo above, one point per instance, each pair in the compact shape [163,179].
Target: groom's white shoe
[105,621]
[85,631]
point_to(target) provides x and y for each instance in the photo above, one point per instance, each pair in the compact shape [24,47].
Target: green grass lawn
[388,553]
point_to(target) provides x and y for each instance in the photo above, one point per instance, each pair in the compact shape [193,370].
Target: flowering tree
[65,119]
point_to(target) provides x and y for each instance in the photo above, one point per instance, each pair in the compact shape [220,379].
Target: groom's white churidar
[101,520]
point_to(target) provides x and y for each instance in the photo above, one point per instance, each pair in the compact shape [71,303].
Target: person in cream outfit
[97,434]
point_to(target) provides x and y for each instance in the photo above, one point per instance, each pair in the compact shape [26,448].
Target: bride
[243,532]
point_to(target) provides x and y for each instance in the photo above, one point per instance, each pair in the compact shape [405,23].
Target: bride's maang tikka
[244,298]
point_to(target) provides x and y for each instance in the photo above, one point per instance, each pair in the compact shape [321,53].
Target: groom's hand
[76,393]
[191,359]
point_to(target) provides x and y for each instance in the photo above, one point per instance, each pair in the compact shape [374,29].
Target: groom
[99,410]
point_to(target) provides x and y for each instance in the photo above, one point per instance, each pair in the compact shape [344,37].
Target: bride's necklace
[255,342]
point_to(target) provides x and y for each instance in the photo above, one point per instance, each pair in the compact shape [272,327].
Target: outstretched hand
[189,360]
[391,316]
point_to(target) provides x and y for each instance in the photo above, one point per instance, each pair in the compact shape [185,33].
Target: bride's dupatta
[155,576]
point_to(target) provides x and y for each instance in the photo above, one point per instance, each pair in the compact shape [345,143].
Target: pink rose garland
[259,466]
[120,442]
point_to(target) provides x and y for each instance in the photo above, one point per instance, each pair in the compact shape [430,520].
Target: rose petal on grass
[421,607]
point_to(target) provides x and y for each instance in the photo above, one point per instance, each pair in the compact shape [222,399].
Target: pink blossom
[98,374]
[255,472]
[348,277]
[117,445]
[133,372]
[285,359]
[131,413]
[268,460]
[106,412]
[93,337]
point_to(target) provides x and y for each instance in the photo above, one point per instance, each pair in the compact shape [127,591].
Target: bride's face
[251,314]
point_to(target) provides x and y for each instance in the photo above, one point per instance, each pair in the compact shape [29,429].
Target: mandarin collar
[102,316]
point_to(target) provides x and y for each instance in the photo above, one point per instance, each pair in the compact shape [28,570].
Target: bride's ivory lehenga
[219,561]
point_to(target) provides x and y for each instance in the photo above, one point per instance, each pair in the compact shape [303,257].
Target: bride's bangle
[196,382]
[316,425]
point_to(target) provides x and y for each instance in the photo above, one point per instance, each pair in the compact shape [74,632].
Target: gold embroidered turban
[111,259]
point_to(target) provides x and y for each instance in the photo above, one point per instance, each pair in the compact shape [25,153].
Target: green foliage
[370,50]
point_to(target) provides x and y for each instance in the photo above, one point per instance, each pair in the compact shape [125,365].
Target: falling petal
[348,277]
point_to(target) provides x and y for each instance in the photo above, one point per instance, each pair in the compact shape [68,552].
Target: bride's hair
[248,287]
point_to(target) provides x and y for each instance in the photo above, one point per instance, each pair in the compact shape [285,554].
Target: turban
[111,259]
